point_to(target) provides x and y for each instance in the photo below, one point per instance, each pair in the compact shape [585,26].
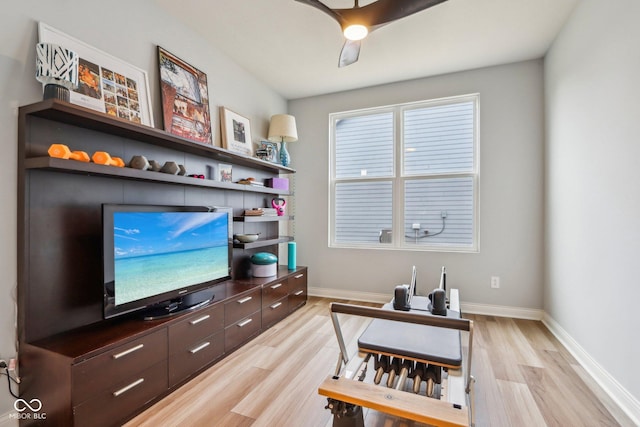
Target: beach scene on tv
[157,252]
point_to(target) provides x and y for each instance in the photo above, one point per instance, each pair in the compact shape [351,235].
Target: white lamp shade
[56,65]
[283,128]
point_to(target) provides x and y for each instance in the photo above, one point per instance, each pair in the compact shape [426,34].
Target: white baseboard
[348,295]
[502,311]
[628,403]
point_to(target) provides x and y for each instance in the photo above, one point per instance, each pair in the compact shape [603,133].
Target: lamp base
[285,158]
[54,91]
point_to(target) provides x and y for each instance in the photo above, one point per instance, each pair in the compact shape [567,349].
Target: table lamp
[57,69]
[282,129]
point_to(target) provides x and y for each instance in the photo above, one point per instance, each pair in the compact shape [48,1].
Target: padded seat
[440,346]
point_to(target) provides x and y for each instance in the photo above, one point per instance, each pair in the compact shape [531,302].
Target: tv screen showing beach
[158,252]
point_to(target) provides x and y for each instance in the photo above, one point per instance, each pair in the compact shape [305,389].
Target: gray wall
[129,30]
[511,191]
[592,184]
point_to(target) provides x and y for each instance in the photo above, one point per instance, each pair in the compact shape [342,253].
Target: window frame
[399,177]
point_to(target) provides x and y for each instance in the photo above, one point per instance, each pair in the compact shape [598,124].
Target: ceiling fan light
[356,32]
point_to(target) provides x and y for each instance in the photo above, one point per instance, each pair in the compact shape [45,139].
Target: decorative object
[264,264]
[282,129]
[57,69]
[225,172]
[246,238]
[291,252]
[185,99]
[268,151]
[105,83]
[278,203]
[278,183]
[236,132]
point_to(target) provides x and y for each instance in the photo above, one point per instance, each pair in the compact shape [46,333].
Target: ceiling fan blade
[349,53]
[384,11]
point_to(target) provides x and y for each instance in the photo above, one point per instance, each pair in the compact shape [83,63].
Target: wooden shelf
[65,112]
[262,243]
[263,218]
[83,168]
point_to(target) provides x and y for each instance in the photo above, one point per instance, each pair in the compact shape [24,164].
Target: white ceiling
[294,48]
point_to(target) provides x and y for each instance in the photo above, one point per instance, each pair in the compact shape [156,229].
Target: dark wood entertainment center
[90,371]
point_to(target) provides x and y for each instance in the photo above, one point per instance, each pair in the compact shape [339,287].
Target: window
[406,176]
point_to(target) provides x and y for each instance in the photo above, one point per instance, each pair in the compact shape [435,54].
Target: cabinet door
[239,332]
[274,291]
[297,289]
[120,364]
[240,307]
[275,312]
[185,333]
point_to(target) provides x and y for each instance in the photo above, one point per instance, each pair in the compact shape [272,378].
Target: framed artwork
[225,173]
[236,132]
[268,151]
[185,99]
[106,83]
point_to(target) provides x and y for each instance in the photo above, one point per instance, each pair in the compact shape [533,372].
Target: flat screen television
[157,258]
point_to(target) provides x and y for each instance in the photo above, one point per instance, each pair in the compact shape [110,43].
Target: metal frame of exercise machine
[347,391]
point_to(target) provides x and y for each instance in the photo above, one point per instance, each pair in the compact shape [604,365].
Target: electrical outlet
[3,363]
[443,214]
[415,226]
[495,282]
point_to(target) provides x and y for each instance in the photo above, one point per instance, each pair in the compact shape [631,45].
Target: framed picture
[185,99]
[106,83]
[225,173]
[268,151]
[236,132]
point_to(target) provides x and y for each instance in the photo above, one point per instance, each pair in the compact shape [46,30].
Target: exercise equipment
[278,203]
[61,151]
[139,162]
[104,158]
[428,375]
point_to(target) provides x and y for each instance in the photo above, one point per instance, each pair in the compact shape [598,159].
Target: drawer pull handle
[299,293]
[127,388]
[131,350]
[201,319]
[245,299]
[244,323]
[200,347]
[276,305]
[276,286]
[298,276]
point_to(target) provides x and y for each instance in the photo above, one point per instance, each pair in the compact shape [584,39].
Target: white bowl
[246,238]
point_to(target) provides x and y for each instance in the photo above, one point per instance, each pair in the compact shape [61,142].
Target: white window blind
[428,199]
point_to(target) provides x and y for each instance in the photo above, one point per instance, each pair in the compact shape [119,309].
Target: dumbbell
[173,168]
[104,158]
[61,151]
[139,162]
[170,168]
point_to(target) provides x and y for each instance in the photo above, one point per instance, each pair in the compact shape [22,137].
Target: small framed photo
[268,151]
[236,132]
[225,173]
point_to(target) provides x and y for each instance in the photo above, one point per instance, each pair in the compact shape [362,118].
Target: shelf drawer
[190,359]
[192,330]
[274,291]
[241,331]
[120,400]
[274,312]
[297,289]
[240,307]
[98,373]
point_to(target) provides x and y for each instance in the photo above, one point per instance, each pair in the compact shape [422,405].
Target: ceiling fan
[358,21]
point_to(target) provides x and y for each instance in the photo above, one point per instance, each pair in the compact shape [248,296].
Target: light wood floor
[524,378]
